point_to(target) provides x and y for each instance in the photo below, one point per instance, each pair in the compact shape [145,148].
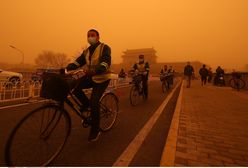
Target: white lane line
[126,157]
[23,104]
[168,155]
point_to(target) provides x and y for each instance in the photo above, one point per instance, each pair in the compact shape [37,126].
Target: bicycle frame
[75,109]
[79,104]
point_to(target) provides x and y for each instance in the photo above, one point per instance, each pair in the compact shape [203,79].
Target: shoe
[94,136]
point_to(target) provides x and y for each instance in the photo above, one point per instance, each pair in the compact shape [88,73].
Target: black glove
[71,66]
[100,69]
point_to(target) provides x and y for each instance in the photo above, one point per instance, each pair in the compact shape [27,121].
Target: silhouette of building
[130,57]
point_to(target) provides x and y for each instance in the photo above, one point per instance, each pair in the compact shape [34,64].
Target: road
[105,152]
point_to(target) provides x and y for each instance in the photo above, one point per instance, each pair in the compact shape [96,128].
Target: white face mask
[92,40]
[141,60]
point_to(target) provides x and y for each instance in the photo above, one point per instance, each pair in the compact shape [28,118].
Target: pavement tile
[182,161]
[212,127]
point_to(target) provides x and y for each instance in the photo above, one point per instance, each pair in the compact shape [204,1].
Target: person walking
[210,75]
[204,74]
[188,72]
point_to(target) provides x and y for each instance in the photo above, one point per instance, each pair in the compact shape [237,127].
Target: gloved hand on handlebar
[100,69]
[71,66]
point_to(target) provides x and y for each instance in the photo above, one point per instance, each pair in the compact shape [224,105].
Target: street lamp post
[11,46]
[17,49]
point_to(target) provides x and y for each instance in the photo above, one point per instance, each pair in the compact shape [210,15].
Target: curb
[169,151]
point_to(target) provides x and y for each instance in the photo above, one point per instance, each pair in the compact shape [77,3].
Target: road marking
[23,104]
[126,157]
[168,155]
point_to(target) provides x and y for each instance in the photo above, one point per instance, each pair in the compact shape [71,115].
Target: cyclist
[122,74]
[143,69]
[219,74]
[97,58]
[236,76]
[164,75]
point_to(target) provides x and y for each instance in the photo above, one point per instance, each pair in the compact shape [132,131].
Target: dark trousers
[145,84]
[97,91]
[204,80]
[209,79]
[188,78]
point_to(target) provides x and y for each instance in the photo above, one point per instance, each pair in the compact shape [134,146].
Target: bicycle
[165,82]
[137,90]
[41,135]
[236,82]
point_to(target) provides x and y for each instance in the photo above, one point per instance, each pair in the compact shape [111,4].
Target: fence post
[31,91]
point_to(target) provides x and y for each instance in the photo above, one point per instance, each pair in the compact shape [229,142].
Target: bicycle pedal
[86,122]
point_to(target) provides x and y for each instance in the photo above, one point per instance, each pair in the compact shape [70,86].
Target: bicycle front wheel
[39,137]
[134,95]
[108,111]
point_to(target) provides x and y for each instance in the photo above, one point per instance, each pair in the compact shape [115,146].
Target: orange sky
[211,31]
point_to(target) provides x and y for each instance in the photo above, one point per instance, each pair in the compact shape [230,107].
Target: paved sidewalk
[213,127]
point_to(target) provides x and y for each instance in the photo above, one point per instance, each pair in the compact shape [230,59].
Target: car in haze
[8,76]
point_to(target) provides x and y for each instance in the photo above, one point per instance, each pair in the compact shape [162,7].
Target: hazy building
[130,57]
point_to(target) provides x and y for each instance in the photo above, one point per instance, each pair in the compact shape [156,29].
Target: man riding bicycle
[142,68]
[165,75]
[97,58]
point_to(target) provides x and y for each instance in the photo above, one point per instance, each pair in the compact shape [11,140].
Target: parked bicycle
[236,82]
[41,135]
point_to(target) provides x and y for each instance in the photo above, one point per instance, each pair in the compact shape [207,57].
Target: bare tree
[49,59]
[79,52]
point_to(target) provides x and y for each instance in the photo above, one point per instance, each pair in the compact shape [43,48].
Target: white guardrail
[28,90]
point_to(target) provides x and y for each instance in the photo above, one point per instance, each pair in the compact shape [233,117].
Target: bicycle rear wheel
[108,111]
[134,95]
[239,84]
[39,137]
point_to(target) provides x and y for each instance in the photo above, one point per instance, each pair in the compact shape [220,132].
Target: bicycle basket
[55,86]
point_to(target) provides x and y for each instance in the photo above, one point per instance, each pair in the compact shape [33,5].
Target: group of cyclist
[167,75]
[97,59]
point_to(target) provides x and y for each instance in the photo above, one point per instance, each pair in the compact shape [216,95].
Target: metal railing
[17,91]
[28,90]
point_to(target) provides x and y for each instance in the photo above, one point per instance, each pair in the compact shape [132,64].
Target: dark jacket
[203,72]
[219,71]
[188,70]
